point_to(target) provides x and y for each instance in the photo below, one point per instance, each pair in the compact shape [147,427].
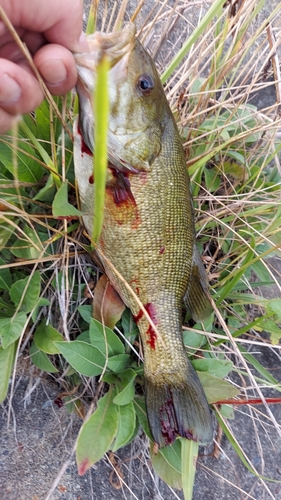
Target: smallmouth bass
[148,232]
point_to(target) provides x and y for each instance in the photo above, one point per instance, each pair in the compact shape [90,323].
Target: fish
[147,245]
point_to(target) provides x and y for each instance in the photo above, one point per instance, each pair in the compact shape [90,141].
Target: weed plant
[210,71]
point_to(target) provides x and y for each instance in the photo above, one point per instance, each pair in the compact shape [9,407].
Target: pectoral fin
[197,294]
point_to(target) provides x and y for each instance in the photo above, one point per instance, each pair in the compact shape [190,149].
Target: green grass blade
[101,100]
[239,450]
[231,282]
[260,369]
[212,12]
[43,153]
[91,24]
[189,454]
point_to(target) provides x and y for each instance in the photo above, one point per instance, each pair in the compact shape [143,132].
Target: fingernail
[10,90]
[53,71]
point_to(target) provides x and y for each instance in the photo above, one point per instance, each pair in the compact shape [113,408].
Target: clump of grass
[232,156]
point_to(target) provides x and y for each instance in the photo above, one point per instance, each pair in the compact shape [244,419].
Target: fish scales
[148,231]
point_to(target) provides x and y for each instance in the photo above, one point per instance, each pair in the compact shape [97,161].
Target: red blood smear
[162,250]
[152,337]
[150,308]
[84,147]
[138,316]
[121,188]
[91,179]
[169,425]
[83,467]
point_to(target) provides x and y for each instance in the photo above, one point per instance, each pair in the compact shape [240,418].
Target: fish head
[138,104]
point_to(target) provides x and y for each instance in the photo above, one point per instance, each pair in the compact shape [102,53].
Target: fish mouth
[116,46]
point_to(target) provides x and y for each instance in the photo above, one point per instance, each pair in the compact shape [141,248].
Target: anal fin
[197,294]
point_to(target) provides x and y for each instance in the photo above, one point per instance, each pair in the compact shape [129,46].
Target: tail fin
[178,410]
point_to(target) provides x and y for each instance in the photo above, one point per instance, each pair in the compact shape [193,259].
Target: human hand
[51,30]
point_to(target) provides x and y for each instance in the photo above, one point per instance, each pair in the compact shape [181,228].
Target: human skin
[52,31]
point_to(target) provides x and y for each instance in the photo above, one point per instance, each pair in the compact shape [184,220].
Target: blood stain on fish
[138,316]
[150,332]
[91,179]
[169,425]
[84,147]
[120,188]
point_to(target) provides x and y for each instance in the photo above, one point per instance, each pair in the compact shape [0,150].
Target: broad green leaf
[28,168]
[84,358]
[108,306]
[129,326]
[273,329]
[86,312]
[47,192]
[119,362]
[105,339]
[6,231]
[165,470]
[126,425]
[97,434]
[215,388]
[29,246]
[45,336]
[172,454]
[164,462]
[7,357]
[61,207]
[212,179]
[227,411]
[26,291]
[126,395]
[218,367]
[273,306]
[84,336]
[189,454]
[193,339]
[41,360]
[5,276]
[142,416]
[12,328]
[111,378]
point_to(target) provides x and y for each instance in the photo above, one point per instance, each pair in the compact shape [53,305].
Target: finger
[10,50]
[7,121]
[57,66]
[20,91]
[59,21]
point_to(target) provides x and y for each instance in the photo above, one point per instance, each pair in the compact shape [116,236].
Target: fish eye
[145,84]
